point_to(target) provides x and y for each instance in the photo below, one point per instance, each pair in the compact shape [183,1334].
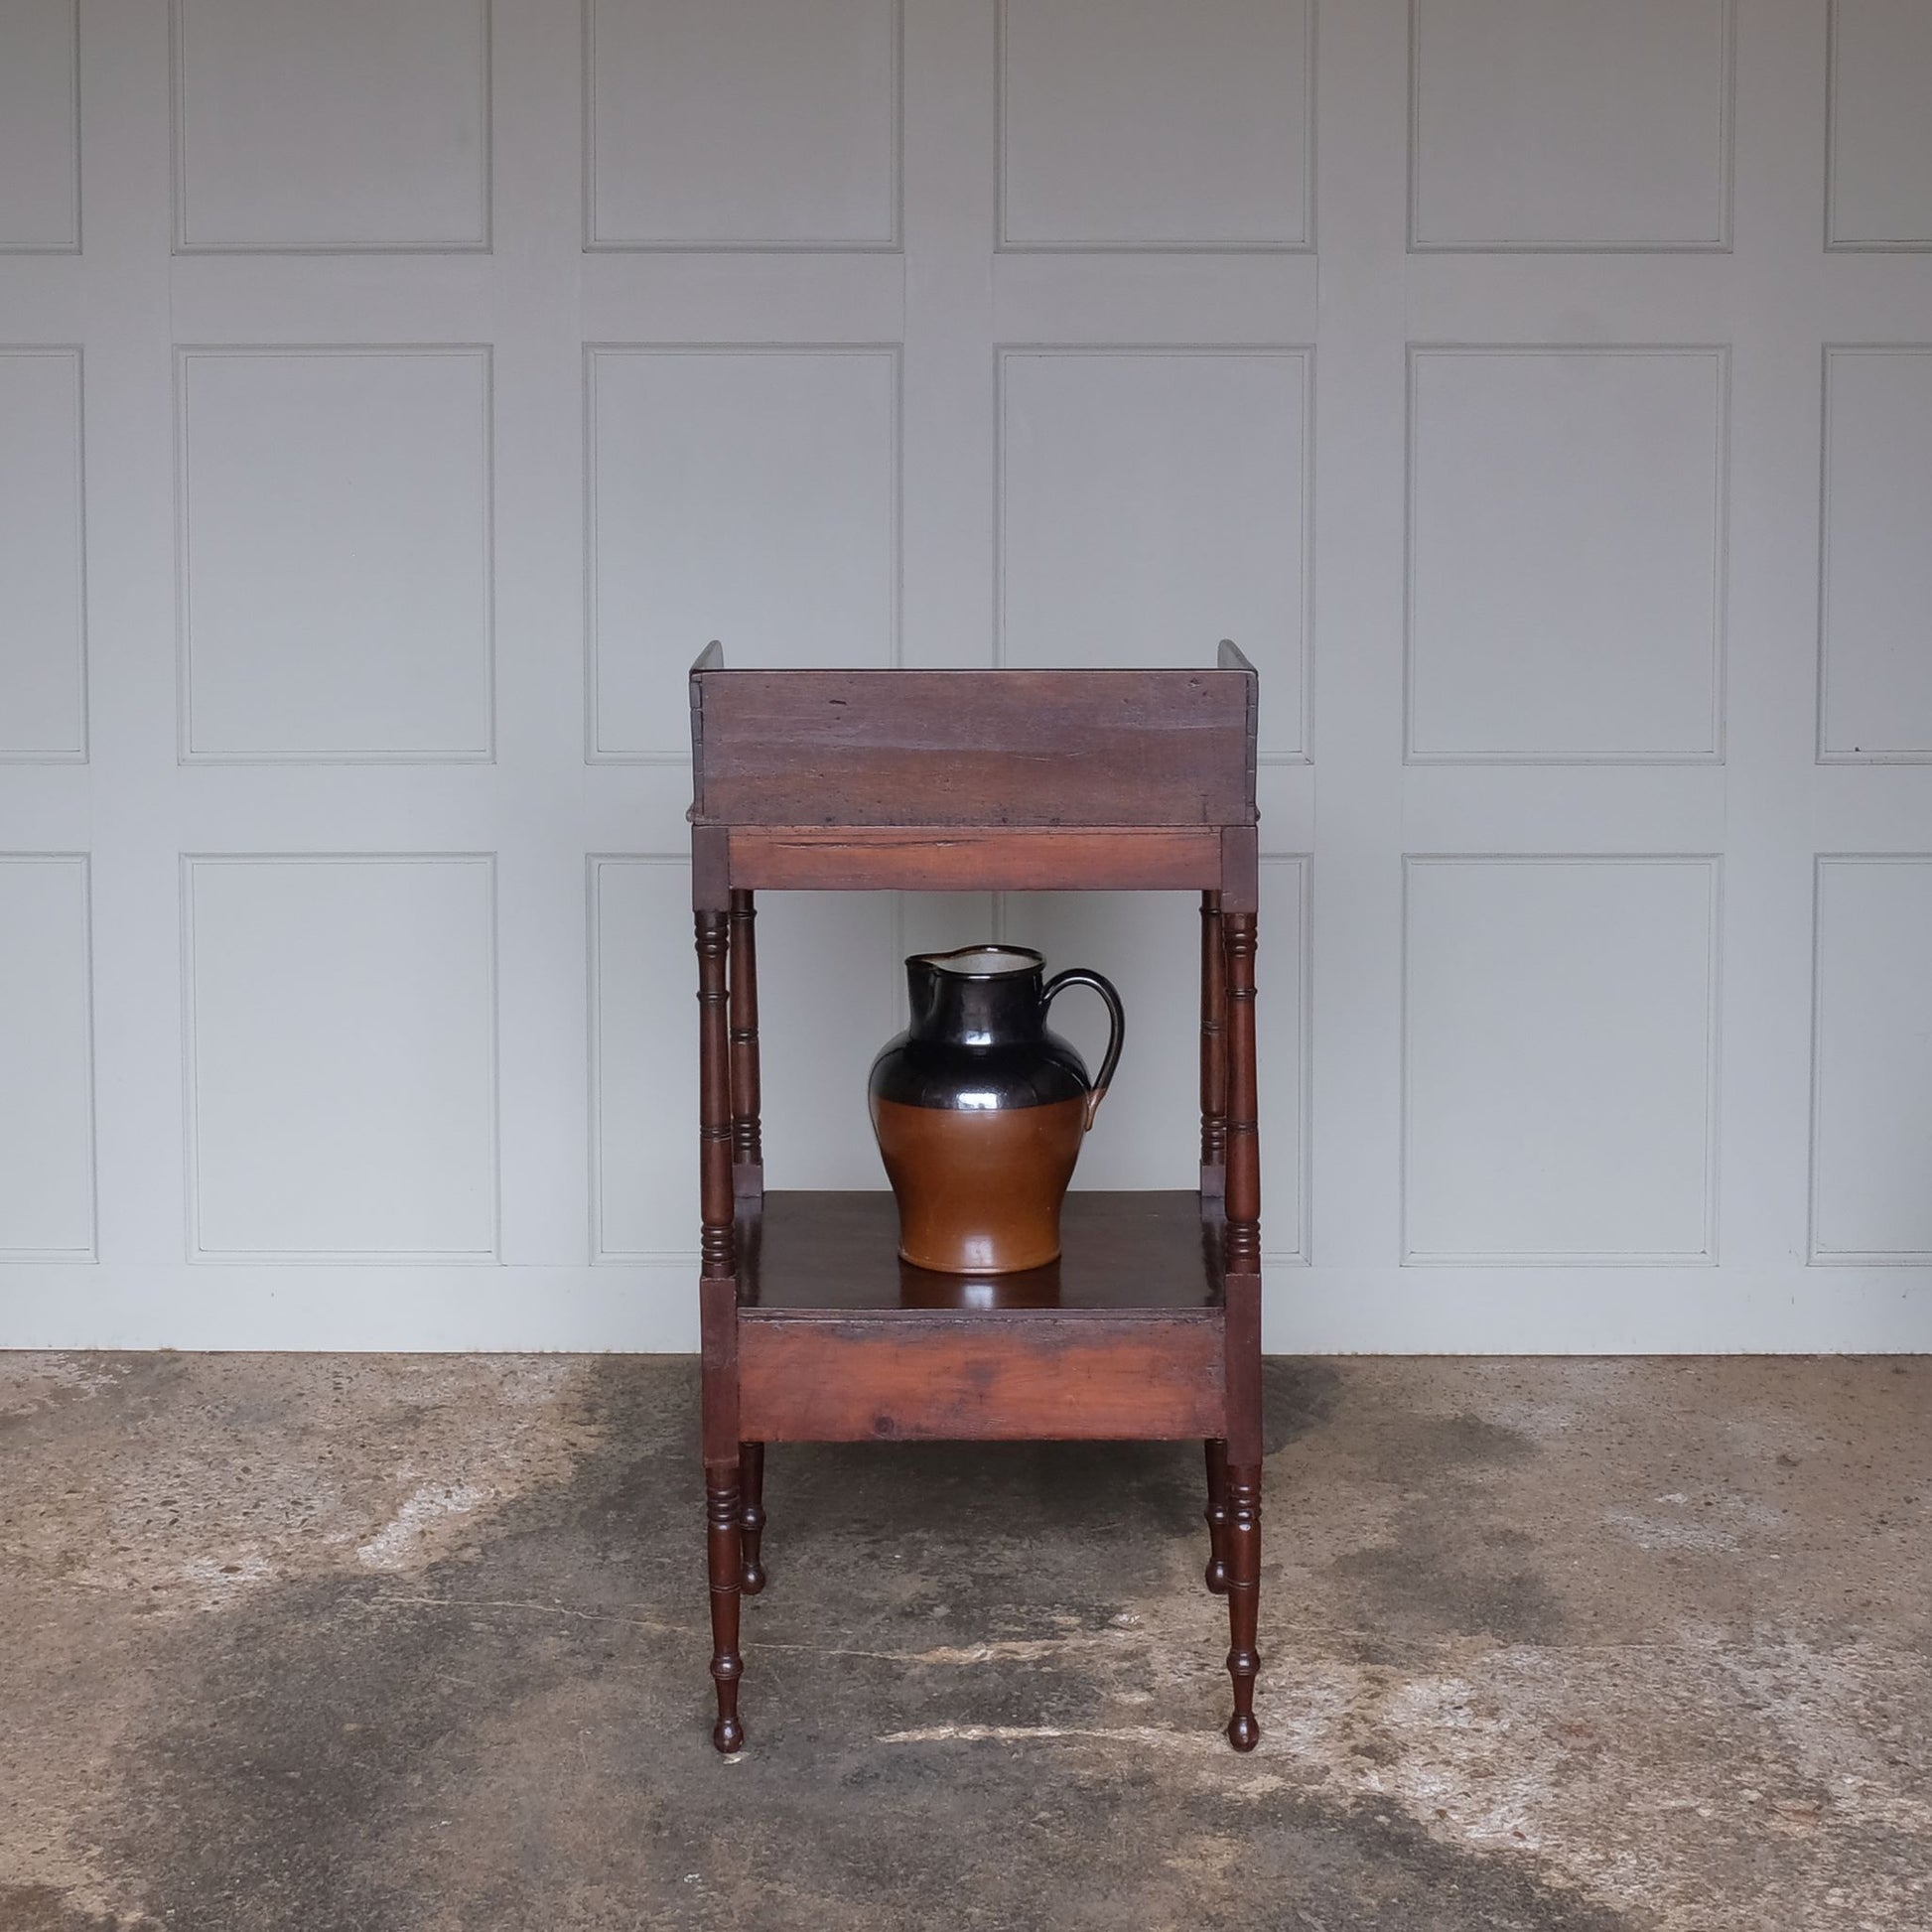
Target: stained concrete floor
[345,1644]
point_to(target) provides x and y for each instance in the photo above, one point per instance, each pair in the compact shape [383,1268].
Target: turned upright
[1148,1325]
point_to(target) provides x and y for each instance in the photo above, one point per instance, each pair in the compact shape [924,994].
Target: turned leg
[1213,1048]
[748,1148]
[1241,1283]
[1244,1601]
[1217,1515]
[726,1547]
[717,1320]
[751,1517]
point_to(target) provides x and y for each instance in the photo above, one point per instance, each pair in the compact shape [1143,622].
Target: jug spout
[976,996]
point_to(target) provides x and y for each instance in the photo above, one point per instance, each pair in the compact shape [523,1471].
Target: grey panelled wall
[393,399]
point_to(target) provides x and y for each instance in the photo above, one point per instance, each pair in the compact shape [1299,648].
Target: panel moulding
[1411,1256]
[90,1253]
[196,1253]
[1816,1254]
[1828,754]
[185,355]
[1837,242]
[602,1255]
[1720,356]
[1719,242]
[1302,242]
[595,242]
[183,244]
[78,753]
[72,245]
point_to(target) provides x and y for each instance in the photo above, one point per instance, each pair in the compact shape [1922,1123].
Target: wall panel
[742,124]
[47,1058]
[1566,554]
[1570,124]
[1164,124]
[360,125]
[1879,187]
[336,550]
[644,1058]
[341,1056]
[40,126]
[1875,641]
[1559,1061]
[43,567]
[1871,1067]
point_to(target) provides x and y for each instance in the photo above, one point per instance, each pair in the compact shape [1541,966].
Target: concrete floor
[345,1644]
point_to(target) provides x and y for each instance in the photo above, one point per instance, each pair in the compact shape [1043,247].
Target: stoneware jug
[979,1110]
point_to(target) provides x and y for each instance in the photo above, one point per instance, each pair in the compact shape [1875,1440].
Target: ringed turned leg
[751,1515]
[1244,1601]
[1241,1285]
[747,1146]
[725,1546]
[1218,1514]
[717,1320]
[1213,1048]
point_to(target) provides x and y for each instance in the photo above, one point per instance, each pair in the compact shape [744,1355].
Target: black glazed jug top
[979,1039]
[977,996]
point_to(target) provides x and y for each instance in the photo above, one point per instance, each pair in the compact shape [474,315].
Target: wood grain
[843,859]
[974,748]
[950,1377]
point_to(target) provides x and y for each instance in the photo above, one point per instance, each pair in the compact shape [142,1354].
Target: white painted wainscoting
[395,396]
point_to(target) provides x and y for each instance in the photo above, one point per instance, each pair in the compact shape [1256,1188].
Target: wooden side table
[1150,1325]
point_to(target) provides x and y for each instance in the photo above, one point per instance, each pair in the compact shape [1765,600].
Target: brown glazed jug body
[980,1109]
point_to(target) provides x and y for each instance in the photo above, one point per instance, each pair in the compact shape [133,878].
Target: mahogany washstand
[1149,1327]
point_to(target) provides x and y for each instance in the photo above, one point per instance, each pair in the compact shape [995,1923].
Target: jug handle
[1116,1024]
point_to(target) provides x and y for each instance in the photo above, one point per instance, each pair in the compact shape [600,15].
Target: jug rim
[1022,959]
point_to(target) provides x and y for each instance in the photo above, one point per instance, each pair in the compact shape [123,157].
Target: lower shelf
[834,1254]
[838,1340]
